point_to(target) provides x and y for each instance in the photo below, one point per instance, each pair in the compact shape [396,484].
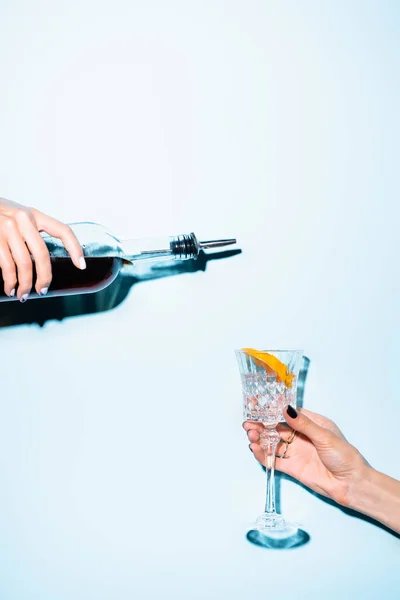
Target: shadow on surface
[300,538]
[301,383]
[39,311]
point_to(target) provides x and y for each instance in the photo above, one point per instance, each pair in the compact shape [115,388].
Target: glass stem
[270,439]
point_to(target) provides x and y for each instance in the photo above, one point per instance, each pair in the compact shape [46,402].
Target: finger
[253,435]
[257,428]
[247,425]
[253,425]
[8,270]
[258,452]
[39,251]
[22,260]
[311,414]
[64,233]
[324,422]
[283,429]
[280,463]
[287,437]
[300,422]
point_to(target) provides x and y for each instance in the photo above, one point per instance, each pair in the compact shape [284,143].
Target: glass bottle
[106,255]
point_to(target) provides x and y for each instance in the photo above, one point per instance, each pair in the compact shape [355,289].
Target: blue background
[124,471]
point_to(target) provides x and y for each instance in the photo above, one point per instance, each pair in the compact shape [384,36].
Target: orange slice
[271,364]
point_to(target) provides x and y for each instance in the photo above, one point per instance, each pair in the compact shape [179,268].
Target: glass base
[274,526]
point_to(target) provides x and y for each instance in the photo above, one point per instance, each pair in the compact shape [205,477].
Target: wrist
[376,495]
[362,490]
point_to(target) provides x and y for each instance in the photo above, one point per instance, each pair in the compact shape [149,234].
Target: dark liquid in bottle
[67,279]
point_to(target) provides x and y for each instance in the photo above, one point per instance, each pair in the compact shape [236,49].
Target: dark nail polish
[251,450]
[292,412]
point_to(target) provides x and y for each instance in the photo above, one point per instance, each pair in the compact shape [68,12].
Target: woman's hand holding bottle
[21,243]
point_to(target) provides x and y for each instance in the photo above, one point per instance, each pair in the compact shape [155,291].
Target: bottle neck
[146,249]
[178,247]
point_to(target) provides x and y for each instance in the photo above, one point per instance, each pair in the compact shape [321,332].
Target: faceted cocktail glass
[269,385]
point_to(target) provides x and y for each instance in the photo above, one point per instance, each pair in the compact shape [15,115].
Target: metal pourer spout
[186,246]
[217,243]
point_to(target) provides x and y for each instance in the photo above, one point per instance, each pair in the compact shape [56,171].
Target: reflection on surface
[300,538]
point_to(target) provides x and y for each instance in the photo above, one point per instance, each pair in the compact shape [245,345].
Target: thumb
[299,422]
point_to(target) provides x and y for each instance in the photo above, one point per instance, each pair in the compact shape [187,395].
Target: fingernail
[82,263]
[12,293]
[292,412]
[44,291]
[24,298]
[250,449]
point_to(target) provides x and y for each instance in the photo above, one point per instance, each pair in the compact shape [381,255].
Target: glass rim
[292,350]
